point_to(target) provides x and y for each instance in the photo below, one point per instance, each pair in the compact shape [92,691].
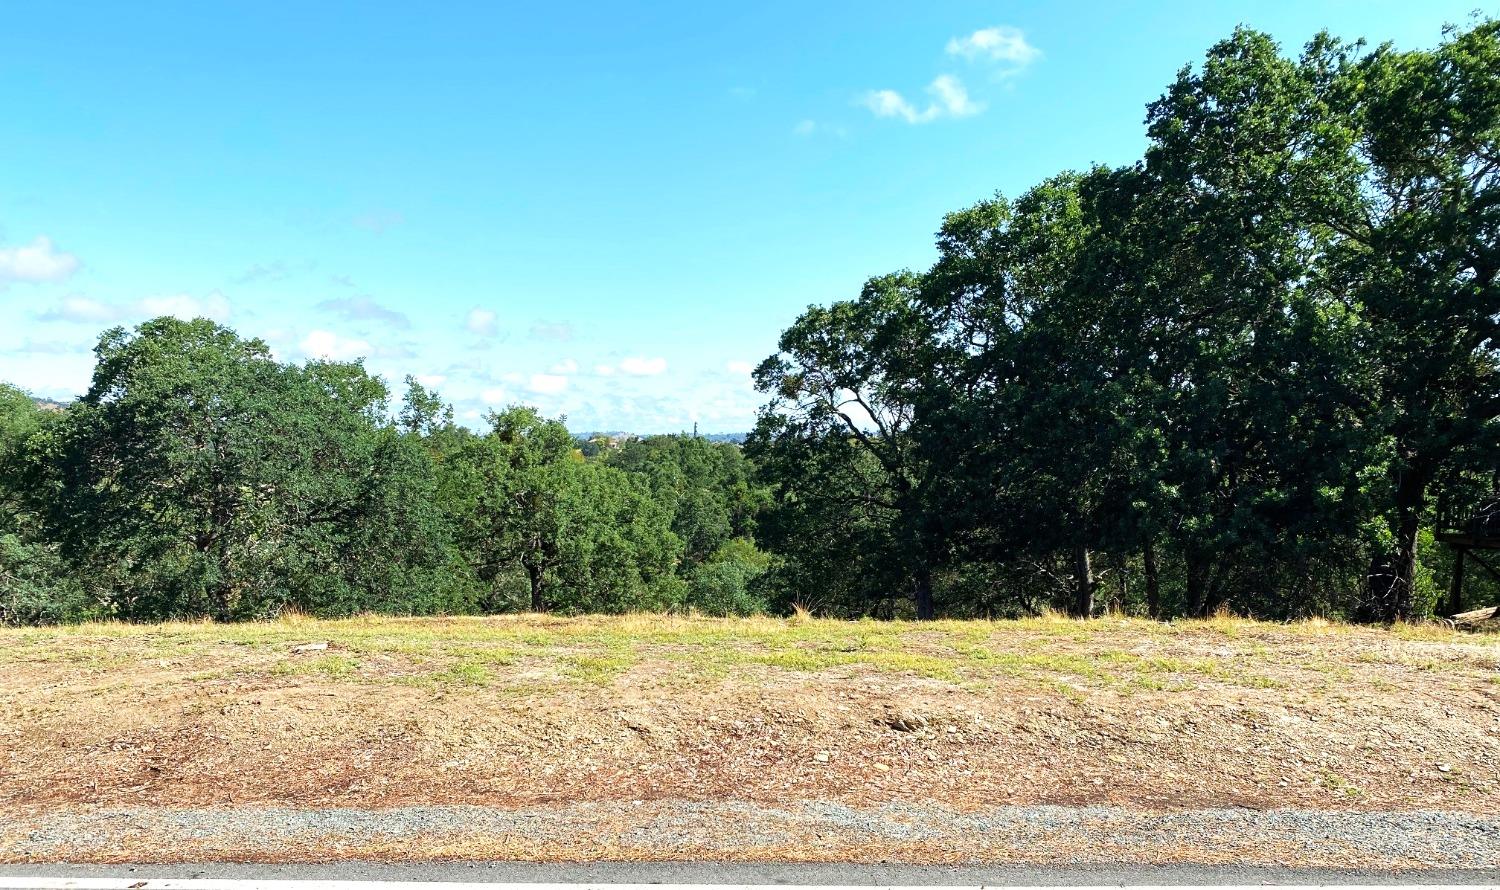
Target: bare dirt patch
[531,711]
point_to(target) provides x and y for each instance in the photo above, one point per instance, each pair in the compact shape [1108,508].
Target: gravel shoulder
[770,873]
[813,831]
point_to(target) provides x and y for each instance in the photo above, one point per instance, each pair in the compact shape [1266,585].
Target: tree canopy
[1246,371]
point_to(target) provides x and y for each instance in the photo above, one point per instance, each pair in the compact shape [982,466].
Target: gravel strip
[730,830]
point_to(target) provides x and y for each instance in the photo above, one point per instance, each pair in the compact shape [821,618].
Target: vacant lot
[619,717]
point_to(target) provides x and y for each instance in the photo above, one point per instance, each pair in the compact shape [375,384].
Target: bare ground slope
[806,738]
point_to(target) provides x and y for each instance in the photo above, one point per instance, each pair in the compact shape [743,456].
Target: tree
[1252,352]
[1420,257]
[36,586]
[198,476]
[586,537]
[423,411]
[845,387]
[706,487]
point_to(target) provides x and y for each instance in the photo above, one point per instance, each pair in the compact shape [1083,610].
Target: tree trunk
[1215,599]
[1083,580]
[1122,596]
[1456,589]
[1392,578]
[925,611]
[1197,584]
[534,572]
[1153,581]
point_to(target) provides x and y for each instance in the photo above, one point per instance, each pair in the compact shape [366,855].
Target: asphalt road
[770,873]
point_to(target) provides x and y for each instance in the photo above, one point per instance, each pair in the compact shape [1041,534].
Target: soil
[1105,722]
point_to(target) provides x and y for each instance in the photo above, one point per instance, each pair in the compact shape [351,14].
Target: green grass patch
[334,667]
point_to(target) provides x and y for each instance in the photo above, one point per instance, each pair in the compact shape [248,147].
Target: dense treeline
[1244,372]
[200,477]
[1240,372]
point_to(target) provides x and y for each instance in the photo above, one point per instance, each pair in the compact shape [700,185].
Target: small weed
[334,667]
[599,670]
[465,673]
[1337,783]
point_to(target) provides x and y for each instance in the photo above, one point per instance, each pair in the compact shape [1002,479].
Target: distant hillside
[619,436]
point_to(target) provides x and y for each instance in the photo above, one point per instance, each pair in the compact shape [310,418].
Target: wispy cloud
[35,262]
[547,384]
[552,330]
[84,310]
[363,308]
[268,272]
[214,305]
[1001,44]
[49,347]
[482,322]
[1002,48]
[87,310]
[949,99]
[328,345]
[638,366]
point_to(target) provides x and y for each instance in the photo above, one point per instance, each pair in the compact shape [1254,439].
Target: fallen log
[1475,617]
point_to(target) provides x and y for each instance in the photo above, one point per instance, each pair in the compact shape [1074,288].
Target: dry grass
[528,710]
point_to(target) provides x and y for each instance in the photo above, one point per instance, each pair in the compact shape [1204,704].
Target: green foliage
[707,487]
[36,586]
[724,584]
[581,536]
[200,477]
[1228,374]
[1236,374]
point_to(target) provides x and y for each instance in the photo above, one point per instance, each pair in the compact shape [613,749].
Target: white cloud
[604,370]
[270,272]
[952,97]
[552,330]
[327,344]
[35,262]
[186,306]
[363,308]
[889,103]
[566,366]
[741,368]
[49,347]
[949,99]
[83,310]
[87,310]
[547,384]
[481,322]
[1001,43]
[493,396]
[432,380]
[643,367]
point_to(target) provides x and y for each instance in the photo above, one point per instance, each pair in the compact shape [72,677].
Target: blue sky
[607,210]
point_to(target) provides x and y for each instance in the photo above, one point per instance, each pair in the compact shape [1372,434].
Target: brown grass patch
[526,710]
